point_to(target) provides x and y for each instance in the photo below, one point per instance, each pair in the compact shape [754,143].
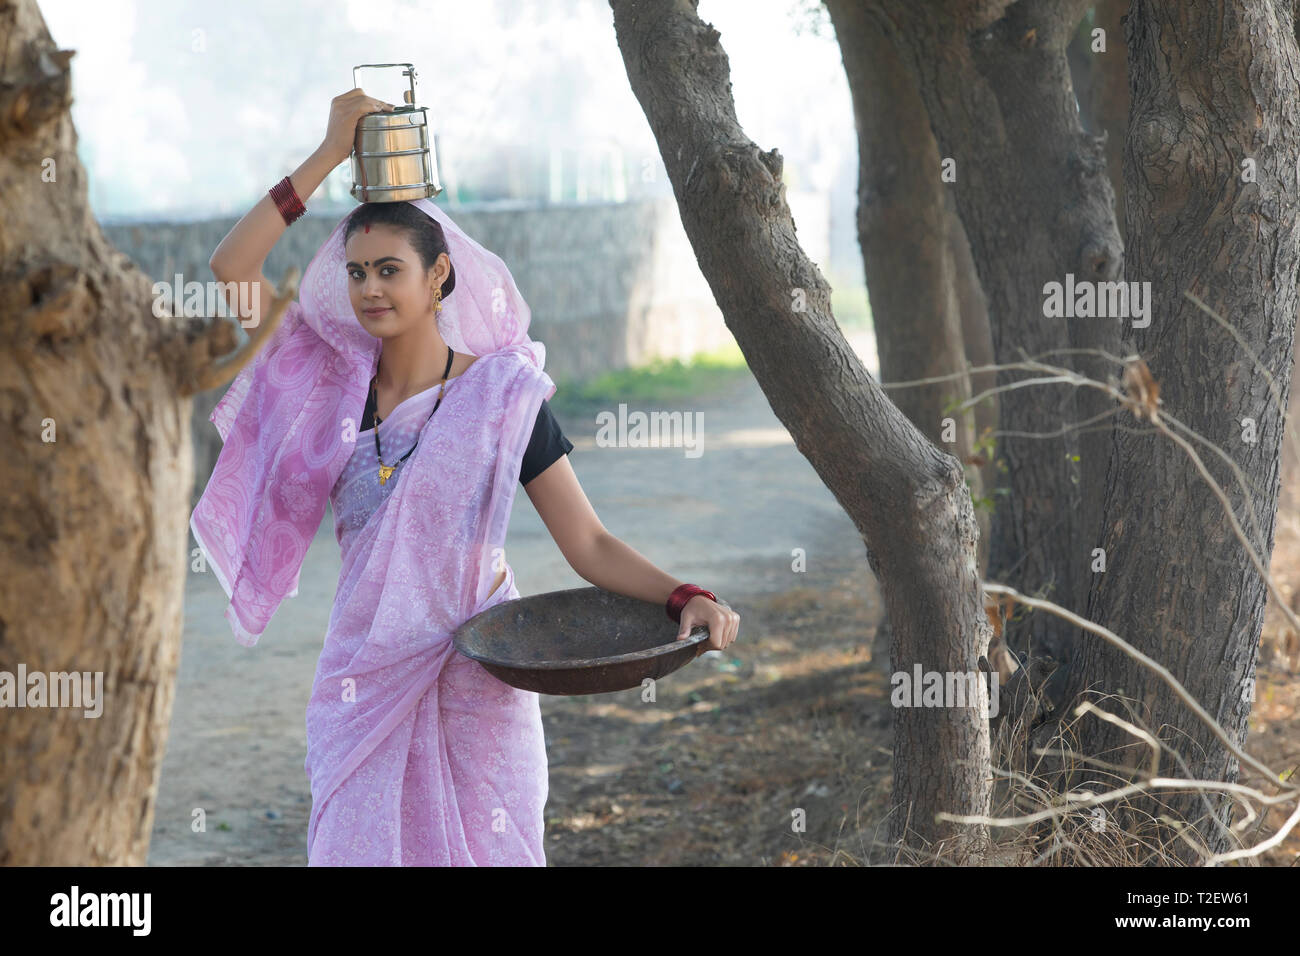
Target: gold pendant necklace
[386,471]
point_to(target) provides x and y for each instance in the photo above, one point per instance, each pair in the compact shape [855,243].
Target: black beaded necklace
[386,471]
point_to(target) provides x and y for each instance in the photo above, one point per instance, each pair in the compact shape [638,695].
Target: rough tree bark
[97,474]
[910,257]
[977,341]
[902,229]
[1101,85]
[1213,85]
[907,497]
[1034,198]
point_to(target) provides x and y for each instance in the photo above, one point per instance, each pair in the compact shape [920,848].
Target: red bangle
[681,594]
[287,201]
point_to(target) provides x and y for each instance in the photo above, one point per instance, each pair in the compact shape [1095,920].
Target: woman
[403,388]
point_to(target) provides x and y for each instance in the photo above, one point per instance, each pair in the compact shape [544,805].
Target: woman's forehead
[379,241]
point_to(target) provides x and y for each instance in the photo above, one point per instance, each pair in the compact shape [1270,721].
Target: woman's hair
[422,231]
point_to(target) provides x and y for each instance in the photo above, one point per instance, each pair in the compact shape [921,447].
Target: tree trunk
[908,498]
[1109,101]
[907,252]
[1032,191]
[97,476]
[977,340]
[902,229]
[1211,88]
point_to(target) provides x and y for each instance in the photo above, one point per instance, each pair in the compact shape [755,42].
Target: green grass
[663,380]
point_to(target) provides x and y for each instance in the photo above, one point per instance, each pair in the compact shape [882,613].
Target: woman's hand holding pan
[723,623]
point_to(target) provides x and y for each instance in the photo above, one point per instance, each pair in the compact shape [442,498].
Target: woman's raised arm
[239,257]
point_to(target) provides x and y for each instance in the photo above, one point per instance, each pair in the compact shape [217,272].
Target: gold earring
[437,301]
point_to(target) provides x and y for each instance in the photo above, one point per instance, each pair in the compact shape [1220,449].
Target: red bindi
[367,227]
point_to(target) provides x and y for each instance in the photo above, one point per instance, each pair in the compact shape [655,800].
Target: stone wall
[610,285]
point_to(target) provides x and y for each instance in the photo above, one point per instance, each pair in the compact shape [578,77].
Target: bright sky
[188,108]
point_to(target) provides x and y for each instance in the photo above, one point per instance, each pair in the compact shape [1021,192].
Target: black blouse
[544,449]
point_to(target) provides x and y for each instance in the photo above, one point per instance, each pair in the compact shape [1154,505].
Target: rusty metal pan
[578,641]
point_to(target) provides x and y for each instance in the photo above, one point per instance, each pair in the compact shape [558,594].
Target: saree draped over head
[415,754]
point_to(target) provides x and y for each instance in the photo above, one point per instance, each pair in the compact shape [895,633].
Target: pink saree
[415,754]
[418,756]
